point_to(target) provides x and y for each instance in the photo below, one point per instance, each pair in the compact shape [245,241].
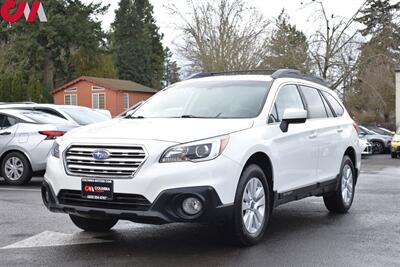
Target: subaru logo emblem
[101,154]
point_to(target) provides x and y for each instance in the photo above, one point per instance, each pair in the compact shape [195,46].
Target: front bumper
[165,209]
[368,150]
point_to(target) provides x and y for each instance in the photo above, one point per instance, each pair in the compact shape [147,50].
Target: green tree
[374,91]
[137,43]
[172,70]
[19,92]
[47,48]
[88,62]
[156,48]
[288,47]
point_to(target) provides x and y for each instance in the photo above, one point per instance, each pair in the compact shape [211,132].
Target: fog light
[192,206]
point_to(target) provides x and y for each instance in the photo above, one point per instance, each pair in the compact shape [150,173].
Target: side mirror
[292,116]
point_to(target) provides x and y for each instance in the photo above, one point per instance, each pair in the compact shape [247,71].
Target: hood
[169,130]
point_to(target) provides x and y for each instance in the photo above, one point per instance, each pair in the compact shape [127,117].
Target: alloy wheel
[347,185]
[253,206]
[14,168]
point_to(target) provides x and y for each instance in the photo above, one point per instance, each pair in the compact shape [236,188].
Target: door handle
[5,133]
[340,130]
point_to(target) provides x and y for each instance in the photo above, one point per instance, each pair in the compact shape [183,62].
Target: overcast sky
[271,8]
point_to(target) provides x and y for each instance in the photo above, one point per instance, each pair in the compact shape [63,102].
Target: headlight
[55,150]
[196,151]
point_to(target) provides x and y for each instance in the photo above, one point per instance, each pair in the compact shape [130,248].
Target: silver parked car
[26,138]
[77,115]
[380,142]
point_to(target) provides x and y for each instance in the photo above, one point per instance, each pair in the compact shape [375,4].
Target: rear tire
[93,225]
[252,208]
[16,169]
[342,200]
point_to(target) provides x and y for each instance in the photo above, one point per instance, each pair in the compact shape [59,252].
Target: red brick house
[101,93]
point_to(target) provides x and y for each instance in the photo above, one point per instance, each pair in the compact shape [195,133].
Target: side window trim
[303,98]
[328,103]
[339,103]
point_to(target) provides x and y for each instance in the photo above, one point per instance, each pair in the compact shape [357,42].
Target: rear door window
[315,106]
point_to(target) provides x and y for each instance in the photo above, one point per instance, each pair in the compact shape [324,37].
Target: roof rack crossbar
[275,74]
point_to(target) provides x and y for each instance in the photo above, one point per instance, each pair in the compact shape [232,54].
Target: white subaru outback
[223,149]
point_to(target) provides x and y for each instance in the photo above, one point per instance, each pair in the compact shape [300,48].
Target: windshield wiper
[190,117]
[135,117]
[198,117]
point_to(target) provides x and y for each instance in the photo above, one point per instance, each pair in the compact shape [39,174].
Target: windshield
[43,118]
[85,116]
[207,99]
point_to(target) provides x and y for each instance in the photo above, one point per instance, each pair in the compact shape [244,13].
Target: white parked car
[77,115]
[366,147]
[26,138]
[219,149]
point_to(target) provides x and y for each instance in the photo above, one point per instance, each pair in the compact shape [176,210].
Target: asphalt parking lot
[301,234]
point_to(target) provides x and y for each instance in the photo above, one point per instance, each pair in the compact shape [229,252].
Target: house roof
[113,84]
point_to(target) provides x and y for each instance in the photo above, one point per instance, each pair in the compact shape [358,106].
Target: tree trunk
[48,71]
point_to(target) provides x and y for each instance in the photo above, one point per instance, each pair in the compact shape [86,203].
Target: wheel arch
[263,160]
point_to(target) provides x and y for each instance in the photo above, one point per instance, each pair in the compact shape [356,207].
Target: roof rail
[234,72]
[275,74]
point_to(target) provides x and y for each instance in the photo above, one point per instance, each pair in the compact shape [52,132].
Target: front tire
[93,225]
[378,147]
[394,155]
[252,208]
[342,200]
[16,169]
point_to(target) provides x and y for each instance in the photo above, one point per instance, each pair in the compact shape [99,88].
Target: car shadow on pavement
[34,183]
[174,240]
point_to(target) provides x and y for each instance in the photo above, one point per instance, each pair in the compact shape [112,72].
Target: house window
[71,90]
[126,101]
[99,101]
[71,100]
[97,88]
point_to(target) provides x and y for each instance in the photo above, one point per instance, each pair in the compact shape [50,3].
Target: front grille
[119,202]
[123,161]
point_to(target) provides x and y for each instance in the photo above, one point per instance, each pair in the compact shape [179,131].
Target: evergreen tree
[288,47]
[19,92]
[47,48]
[137,43]
[97,63]
[171,69]
[156,48]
